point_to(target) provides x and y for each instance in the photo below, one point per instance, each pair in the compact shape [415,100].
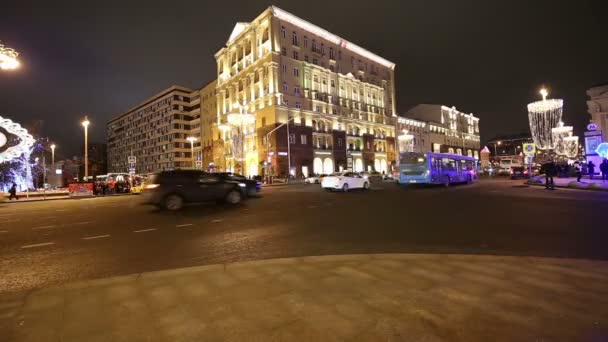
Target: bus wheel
[446,181]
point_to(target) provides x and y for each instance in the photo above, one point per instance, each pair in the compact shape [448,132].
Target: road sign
[529,149]
[592,126]
[132,159]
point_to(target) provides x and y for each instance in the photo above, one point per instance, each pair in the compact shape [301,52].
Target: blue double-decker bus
[436,168]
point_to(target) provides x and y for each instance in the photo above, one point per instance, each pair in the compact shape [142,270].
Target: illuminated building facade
[155,132]
[338,98]
[597,106]
[437,128]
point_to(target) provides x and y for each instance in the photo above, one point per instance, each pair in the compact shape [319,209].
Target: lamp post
[192,140]
[85,124]
[53,156]
[288,148]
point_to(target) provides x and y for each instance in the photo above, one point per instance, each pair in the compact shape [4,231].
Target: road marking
[216,221]
[95,237]
[44,227]
[61,210]
[144,230]
[15,220]
[184,225]
[3,231]
[38,245]
[48,217]
[85,222]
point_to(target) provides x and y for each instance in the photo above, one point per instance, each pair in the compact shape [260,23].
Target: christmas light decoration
[8,58]
[602,150]
[558,134]
[543,117]
[25,140]
[570,146]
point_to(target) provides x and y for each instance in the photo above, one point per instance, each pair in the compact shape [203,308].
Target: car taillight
[151,186]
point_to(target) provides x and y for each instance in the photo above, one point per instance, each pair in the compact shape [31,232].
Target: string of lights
[543,117]
[8,58]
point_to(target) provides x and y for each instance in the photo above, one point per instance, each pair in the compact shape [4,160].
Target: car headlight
[242,185]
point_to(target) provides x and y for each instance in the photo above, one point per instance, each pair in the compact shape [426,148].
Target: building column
[261,76]
[244,81]
[252,86]
[253,39]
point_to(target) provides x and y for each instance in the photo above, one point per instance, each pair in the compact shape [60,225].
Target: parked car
[171,190]
[252,186]
[519,172]
[344,181]
[313,180]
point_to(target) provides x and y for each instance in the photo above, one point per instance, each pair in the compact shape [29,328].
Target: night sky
[483,56]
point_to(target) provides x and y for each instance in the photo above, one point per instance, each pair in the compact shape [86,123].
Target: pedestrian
[591,168]
[13,192]
[579,174]
[550,172]
[604,169]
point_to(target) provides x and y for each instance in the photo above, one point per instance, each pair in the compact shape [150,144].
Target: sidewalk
[390,297]
[585,184]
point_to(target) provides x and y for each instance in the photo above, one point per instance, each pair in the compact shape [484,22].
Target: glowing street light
[85,124]
[544,93]
[192,140]
[53,156]
[8,58]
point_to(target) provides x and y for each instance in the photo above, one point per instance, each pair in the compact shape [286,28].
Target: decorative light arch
[25,140]
[543,117]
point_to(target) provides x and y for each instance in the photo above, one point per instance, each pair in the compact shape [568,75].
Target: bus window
[449,164]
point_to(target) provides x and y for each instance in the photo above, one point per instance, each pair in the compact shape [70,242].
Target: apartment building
[597,107]
[437,128]
[155,132]
[295,98]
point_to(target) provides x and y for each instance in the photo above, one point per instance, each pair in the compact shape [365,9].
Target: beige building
[437,128]
[338,98]
[155,132]
[597,106]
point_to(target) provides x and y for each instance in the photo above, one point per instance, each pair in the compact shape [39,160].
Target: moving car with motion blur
[344,181]
[519,172]
[312,180]
[252,186]
[172,190]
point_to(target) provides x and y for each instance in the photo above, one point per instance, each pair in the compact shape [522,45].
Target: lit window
[292,138]
[303,139]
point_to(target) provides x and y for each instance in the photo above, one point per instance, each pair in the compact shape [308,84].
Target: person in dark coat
[550,172]
[604,169]
[591,168]
[13,192]
[579,173]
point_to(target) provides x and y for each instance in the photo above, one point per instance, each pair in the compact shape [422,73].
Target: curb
[586,188]
[61,198]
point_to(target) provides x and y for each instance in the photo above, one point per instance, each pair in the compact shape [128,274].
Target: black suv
[252,186]
[172,189]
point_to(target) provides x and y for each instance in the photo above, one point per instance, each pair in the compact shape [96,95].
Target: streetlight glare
[191,139]
[544,93]
[86,122]
[8,58]
[53,146]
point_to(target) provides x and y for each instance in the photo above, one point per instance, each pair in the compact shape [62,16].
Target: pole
[192,152]
[288,153]
[86,153]
[43,175]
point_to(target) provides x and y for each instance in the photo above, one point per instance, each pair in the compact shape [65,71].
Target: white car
[312,180]
[344,181]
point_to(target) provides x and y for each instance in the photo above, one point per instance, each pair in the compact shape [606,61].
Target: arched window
[328,166]
[318,166]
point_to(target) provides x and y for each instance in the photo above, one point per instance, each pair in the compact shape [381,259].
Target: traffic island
[572,183]
[416,297]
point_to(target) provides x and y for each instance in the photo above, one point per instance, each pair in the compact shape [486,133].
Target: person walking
[604,169]
[578,170]
[591,168]
[13,192]
[550,171]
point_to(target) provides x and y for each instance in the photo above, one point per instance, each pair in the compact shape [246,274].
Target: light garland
[8,58]
[602,150]
[25,140]
[558,134]
[543,117]
[570,144]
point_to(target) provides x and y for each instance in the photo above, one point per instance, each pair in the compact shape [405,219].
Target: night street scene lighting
[319,171]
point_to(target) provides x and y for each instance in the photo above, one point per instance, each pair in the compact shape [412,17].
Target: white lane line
[3,231]
[48,217]
[184,225]
[15,220]
[216,221]
[95,237]
[85,222]
[38,245]
[144,230]
[44,227]
[61,210]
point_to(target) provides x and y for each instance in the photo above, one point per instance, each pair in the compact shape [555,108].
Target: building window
[306,58]
[283,32]
[314,45]
[284,87]
[333,84]
[284,51]
[296,72]
[339,54]
[263,121]
[284,66]
[331,68]
[339,142]
[296,56]
[296,90]
[331,53]
[303,139]
[322,49]
[305,41]
[318,108]
[292,138]
[298,105]
[324,80]
[315,78]
[295,38]
[315,61]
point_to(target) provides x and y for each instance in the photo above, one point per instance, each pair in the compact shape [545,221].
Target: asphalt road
[50,243]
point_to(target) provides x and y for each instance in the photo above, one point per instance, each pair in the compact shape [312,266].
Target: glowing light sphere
[8,58]
[558,134]
[602,150]
[23,146]
[570,144]
[543,117]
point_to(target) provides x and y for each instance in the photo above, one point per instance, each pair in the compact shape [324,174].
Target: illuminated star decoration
[8,58]
[25,140]
[602,150]
[543,117]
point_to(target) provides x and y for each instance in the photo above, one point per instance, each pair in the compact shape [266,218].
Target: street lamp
[192,140]
[53,156]
[8,58]
[85,124]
